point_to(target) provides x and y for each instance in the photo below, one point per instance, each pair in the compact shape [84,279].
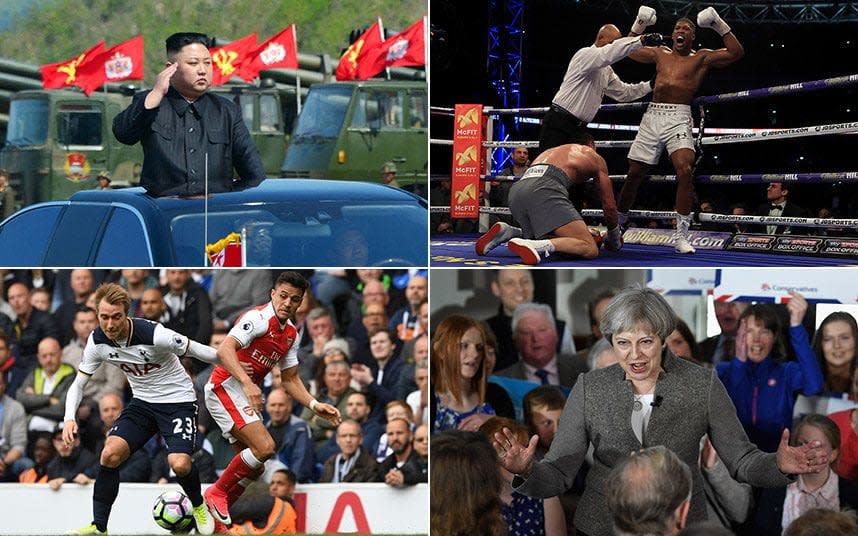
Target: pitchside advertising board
[321,508]
[468,124]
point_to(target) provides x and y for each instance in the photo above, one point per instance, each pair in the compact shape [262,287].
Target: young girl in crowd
[459,374]
[778,507]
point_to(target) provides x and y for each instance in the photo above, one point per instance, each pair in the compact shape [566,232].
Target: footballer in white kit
[163,400]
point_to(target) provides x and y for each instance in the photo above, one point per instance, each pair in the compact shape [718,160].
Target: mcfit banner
[467,161]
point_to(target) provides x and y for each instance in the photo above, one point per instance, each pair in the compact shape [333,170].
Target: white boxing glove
[646,17]
[709,18]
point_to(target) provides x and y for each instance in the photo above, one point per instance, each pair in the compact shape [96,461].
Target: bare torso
[678,76]
[579,162]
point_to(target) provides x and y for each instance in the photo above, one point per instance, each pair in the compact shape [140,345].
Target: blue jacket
[764,393]
[295,447]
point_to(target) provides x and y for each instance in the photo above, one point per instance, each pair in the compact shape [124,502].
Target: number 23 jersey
[149,358]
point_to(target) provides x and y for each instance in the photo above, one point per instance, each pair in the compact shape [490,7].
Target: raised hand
[162,85]
[646,17]
[709,18]
[652,40]
[807,458]
[514,457]
[797,307]
[741,343]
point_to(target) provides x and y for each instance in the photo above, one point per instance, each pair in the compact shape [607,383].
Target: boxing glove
[646,17]
[614,239]
[709,18]
[652,40]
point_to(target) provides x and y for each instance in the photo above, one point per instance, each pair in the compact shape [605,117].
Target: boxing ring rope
[744,178]
[786,89]
[702,217]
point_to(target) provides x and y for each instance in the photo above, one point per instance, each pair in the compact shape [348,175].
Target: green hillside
[58,29]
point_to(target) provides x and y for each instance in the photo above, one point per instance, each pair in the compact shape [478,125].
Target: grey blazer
[691,402]
[568,369]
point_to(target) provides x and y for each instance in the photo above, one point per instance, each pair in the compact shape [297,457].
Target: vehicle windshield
[79,124]
[28,122]
[324,112]
[326,234]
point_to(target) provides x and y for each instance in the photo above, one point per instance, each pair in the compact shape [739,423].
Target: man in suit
[722,347]
[535,337]
[778,205]
[514,286]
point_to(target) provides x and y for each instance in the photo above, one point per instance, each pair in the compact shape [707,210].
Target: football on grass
[172,511]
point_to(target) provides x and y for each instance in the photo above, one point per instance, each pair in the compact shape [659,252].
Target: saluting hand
[162,85]
[514,457]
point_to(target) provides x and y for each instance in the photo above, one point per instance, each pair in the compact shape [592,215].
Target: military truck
[59,140]
[348,130]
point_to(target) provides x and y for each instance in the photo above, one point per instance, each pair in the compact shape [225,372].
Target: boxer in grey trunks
[539,201]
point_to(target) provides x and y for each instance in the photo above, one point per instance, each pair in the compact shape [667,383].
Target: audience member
[847,422]
[523,514]
[835,347]
[336,349]
[496,395]
[188,308]
[727,500]
[467,463]
[649,492]
[778,507]
[320,327]
[458,374]
[514,287]
[395,409]
[31,326]
[822,522]
[106,379]
[535,338]
[257,511]
[43,393]
[335,392]
[601,355]
[498,191]
[419,352]
[761,385]
[43,453]
[681,342]
[722,347]
[40,298]
[235,291]
[152,305]
[82,284]
[419,399]
[381,379]
[13,436]
[282,485]
[293,444]
[374,318]
[136,281]
[542,408]
[402,468]
[405,321]
[353,463]
[71,462]
[778,205]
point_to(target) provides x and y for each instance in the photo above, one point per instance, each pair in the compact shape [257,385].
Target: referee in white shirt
[588,79]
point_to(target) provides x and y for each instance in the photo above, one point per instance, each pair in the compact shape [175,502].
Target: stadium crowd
[777,385]
[362,347]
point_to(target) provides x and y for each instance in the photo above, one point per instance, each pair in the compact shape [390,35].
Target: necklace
[638,406]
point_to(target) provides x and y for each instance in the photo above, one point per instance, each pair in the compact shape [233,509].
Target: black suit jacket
[501,326]
[791,210]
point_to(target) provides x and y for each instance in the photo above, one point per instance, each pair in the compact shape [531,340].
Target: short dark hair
[689,21]
[292,278]
[178,41]
[289,474]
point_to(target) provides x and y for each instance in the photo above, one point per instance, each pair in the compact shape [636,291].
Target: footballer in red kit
[262,338]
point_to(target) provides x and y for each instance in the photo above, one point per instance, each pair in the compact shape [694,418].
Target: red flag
[121,62]
[277,52]
[358,51]
[57,75]
[407,48]
[227,60]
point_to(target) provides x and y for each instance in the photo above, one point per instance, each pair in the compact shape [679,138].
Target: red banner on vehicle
[467,161]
